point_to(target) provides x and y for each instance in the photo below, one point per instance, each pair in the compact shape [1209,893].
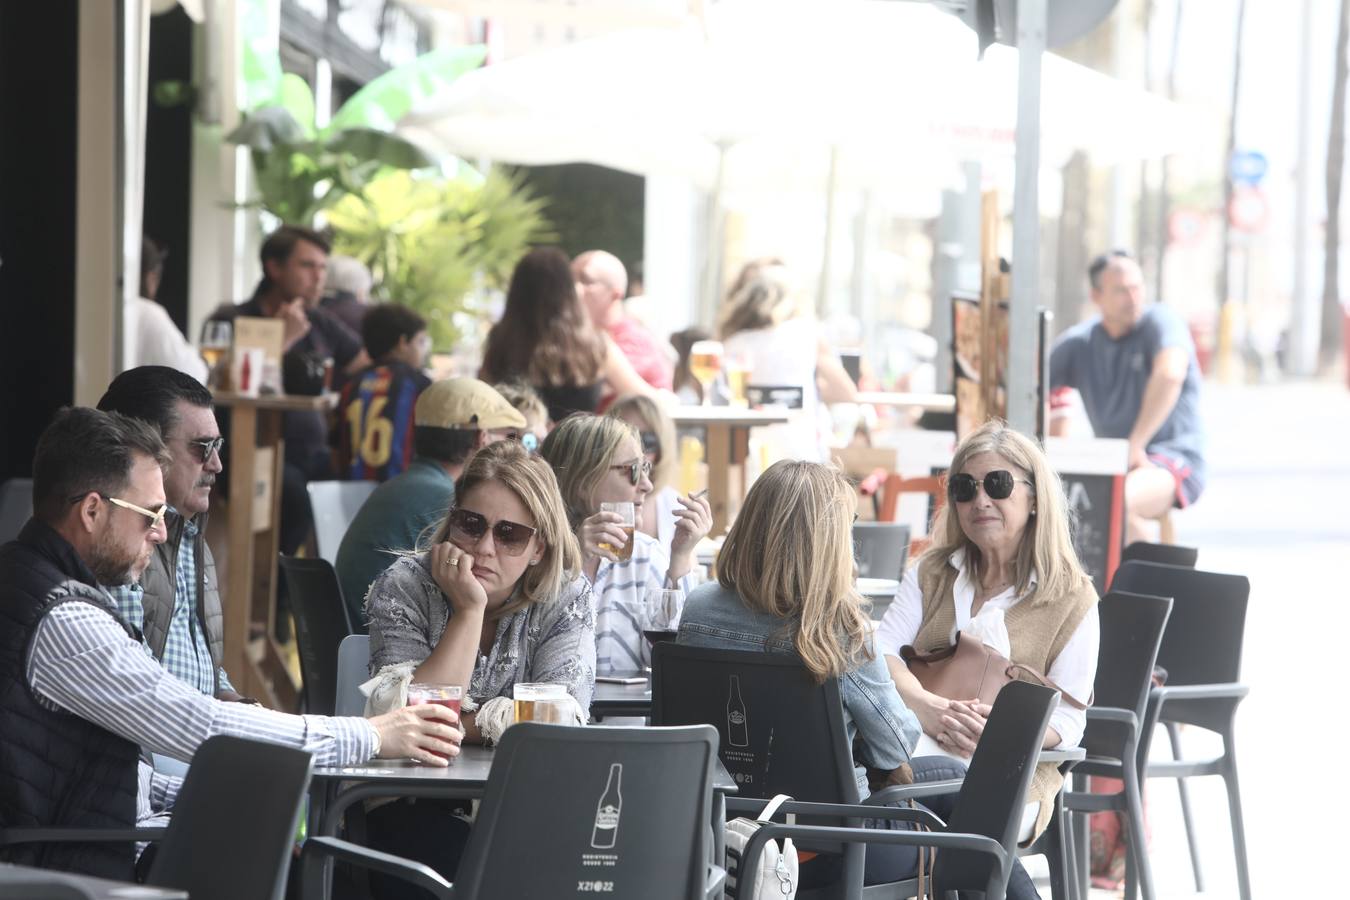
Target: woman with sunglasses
[657,433]
[1002,565]
[599,459]
[498,597]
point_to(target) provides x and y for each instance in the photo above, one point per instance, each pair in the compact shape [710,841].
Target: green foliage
[433,244]
[302,170]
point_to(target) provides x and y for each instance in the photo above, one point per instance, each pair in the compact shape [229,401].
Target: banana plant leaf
[382,102]
[267,129]
[389,149]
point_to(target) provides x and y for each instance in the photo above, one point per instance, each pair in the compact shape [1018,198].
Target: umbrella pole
[827,252]
[712,267]
[1022,330]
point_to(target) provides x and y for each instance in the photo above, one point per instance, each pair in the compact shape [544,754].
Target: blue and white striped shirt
[187,649]
[83,662]
[619,590]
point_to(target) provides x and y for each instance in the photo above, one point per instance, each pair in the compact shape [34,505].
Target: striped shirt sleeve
[81,661]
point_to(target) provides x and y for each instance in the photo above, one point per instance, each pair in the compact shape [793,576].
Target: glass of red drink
[447,695]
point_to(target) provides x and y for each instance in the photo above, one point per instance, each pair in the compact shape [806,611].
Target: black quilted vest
[56,769]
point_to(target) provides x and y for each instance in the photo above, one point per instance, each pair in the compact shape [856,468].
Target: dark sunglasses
[998,485]
[206,447]
[636,470]
[511,538]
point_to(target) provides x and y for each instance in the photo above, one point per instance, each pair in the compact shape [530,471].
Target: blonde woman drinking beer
[599,461]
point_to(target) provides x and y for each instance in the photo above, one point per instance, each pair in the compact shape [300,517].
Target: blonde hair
[527,402]
[759,300]
[790,554]
[1046,548]
[650,412]
[530,479]
[580,450]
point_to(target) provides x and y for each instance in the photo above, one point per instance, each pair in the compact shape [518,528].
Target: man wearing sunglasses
[80,701]
[452,420]
[1135,367]
[177,603]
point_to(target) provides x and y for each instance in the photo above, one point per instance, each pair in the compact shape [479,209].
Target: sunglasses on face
[998,485]
[206,447]
[153,518]
[510,538]
[636,470]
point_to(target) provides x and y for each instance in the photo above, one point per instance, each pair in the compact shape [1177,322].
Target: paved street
[1276,511]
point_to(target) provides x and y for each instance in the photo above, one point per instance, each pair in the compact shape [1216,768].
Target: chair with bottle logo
[619,811]
[769,712]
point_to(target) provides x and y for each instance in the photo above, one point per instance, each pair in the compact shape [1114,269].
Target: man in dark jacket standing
[80,700]
[177,604]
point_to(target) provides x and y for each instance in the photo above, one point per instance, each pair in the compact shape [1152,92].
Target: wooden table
[909,400]
[728,429]
[256,453]
[23,881]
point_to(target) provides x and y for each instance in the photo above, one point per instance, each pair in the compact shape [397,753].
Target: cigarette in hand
[700,495]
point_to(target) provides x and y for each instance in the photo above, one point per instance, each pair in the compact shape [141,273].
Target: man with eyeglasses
[176,605]
[80,700]
[452,420]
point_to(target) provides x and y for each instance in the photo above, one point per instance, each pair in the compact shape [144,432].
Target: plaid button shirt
[187,650]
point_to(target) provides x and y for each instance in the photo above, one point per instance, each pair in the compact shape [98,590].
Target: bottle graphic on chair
[738,726]
[607,811]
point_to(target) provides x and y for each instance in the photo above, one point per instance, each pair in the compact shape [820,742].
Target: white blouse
[1074,670]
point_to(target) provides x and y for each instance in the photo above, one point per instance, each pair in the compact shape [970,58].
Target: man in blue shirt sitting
[1135,367]
[451,421]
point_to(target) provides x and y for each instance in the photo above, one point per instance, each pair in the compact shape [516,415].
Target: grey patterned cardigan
[549,641]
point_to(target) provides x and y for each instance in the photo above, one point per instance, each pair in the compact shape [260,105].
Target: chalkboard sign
[1096,522]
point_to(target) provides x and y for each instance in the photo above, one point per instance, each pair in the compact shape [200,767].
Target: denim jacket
[715,617]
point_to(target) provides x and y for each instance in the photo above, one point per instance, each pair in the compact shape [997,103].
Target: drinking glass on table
[661,614]
[705,361]
[540,702]
[628,512]
[447,695]
[215,346]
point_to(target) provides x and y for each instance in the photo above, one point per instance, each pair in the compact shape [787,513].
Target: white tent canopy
[766,92]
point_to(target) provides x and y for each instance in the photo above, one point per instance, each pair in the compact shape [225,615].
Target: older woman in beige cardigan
[1001,567]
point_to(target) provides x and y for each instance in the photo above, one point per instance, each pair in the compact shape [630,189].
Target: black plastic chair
[1202,653]
[321,622]
[977,846]
[880,549]
[233,824]
[769,713]
[1167,554]
[545,822]
[1132,629]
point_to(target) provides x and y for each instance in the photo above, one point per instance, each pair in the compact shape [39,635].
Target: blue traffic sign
[1248,166]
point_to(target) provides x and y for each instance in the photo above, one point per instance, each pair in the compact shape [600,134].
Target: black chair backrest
[234,821]
[627,811]
[780,731]
[1167,554]
[1203,640]
[16,506]
[880,549]
[996,783]
[1132,629]
[321,622]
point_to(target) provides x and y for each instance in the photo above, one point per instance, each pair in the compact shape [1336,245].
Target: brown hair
[544,334]
[529,478]
[790,554]
[757,301]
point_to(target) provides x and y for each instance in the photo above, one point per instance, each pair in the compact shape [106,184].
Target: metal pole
[1026,266]
[824,305]
[710,295]
[1305,319]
